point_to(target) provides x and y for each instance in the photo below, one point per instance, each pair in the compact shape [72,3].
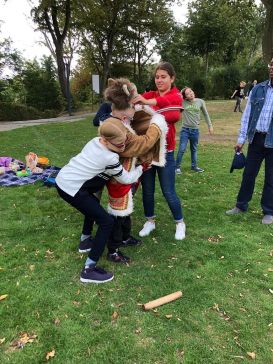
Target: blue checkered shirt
[264,118]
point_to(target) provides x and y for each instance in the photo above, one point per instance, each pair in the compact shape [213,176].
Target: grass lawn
[224,266]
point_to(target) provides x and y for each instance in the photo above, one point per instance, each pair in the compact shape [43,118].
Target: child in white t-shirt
[83,176]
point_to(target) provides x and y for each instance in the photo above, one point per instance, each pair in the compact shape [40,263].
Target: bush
[15,112]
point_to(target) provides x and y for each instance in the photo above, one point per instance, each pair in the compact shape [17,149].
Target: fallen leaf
[50,354]
[4,296]
[270,269]
[271,253]
[138,331]
[119,304]
[24,339]
[31,267]
[76,303]
[2,340]
[57,322]
[115,315]
[168,316]
[271,290]
[251,355]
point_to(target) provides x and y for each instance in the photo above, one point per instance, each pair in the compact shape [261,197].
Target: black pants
[121,231]
[90,207]
[238,103]
[255,155]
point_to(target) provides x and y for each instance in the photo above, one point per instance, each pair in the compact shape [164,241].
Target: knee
[170,196]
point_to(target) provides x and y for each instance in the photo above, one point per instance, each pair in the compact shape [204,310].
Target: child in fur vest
[138,149]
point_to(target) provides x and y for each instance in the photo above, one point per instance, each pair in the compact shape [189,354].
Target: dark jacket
[102,114]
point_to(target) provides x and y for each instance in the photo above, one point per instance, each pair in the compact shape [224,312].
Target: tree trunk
[61,71]
[268,31]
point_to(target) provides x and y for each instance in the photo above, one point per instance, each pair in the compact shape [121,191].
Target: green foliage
[41,88]
[13,112]
[221,267]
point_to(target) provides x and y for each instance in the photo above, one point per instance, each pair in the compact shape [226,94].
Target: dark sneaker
[94,274]
[131,241]
[86,245]
[118,257]
[197,169]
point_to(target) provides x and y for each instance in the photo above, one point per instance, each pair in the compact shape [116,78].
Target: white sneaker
[178,171]
[180,231]
[148,227]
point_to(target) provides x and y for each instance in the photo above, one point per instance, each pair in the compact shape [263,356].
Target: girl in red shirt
[166,95]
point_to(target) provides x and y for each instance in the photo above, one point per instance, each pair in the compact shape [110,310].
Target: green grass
[221,267]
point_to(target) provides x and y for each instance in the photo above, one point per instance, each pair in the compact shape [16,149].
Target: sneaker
[234,211]
[86,245]
[118,257]
[148,227]
[178,171]
[131,241]
[267,219]
[197,169]
[94,274]
[180,231]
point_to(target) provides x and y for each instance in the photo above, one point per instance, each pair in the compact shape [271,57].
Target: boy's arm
[206,114]
[116,170]
[138,145]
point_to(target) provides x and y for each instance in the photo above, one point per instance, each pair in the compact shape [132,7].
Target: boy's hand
[238,147]
[211,130]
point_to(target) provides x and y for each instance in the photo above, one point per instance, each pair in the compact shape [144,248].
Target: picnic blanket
[10,179]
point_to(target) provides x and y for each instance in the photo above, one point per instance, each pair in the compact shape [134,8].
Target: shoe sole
[180,238]
[84,250]
[84,280]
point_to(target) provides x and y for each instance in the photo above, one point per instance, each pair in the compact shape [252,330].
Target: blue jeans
[193,136]
[255,155]
[166,177]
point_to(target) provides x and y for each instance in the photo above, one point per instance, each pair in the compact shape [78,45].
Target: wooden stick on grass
[162,300]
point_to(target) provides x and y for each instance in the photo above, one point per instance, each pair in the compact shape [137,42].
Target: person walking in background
[166,95]
[251,86]
[239,94]
[190,127]
[257,127]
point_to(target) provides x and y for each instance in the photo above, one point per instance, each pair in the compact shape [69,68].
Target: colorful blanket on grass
[10,179]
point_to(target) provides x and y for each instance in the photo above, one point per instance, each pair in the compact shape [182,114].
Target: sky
[17,24]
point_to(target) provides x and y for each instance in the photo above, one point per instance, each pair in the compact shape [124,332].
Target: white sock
[89,262]
[83,237]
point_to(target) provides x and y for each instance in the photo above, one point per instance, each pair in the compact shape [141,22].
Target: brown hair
[183,91]
[120,93]
[166,66]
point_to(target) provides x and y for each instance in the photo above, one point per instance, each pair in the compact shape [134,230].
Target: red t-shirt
[171,98]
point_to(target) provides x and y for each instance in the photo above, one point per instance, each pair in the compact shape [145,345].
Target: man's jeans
[166,177]
[193,136]
[255,155]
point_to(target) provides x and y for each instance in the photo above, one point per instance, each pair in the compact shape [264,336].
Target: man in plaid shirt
[257,128]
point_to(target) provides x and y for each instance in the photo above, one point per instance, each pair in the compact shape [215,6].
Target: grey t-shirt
[191,114]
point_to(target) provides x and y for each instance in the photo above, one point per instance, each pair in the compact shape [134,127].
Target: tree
[121,32]
[268,31]
[9,57]
[54,17]
[221,29]
[41,88]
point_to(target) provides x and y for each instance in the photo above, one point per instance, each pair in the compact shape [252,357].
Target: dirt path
[10,125]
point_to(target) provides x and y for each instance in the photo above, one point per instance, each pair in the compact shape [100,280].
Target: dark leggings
[121,231]
[90,207]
